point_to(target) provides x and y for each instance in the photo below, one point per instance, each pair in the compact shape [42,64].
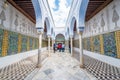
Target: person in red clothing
[59,47]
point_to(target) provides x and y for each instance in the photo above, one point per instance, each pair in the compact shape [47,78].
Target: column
[39,51]
[71,50]
[66,46]
[48,45]
[81,50]
[53,41]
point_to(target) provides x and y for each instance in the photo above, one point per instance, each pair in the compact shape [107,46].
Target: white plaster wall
[10,59]
[103,58]
[103,18]
[5,61]
[25,26]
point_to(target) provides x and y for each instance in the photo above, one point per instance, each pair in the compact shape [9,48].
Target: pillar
[66,46]
[39,51]
[48,45]
[81,50]
[53,41]
[71,50]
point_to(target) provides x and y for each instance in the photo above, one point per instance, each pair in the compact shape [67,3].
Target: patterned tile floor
[61,66]
[19,70]
[101,70]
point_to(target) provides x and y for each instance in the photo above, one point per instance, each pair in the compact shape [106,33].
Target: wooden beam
[99,9]
[21,10]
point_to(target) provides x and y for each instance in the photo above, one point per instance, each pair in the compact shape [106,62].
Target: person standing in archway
[54,47]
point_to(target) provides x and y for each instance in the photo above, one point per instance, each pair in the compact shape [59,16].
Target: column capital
[80,29]
[39,30]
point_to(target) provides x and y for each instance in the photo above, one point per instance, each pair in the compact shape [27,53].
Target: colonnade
[67,45]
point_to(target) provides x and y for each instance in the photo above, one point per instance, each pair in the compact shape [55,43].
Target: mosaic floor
[19,70]
[101,70]
[61,66]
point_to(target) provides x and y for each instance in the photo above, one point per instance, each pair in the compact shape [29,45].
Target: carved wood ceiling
[94,7]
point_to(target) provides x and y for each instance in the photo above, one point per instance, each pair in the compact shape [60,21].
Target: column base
[38,66]
[82,66]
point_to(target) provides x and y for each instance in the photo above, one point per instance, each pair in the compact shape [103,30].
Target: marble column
[81,50]
[53,41]
[71,50]
[49,45]
[66,46]
[39,51]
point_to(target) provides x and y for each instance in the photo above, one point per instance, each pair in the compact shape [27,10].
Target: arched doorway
[60,39]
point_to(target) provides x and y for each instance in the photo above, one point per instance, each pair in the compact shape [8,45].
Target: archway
[72,35]
[60,39]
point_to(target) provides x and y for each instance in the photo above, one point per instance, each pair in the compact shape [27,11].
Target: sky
[60,10]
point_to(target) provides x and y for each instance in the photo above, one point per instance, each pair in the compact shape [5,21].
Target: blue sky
[60,10]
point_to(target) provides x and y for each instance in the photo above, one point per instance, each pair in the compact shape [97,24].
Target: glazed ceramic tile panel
[24,43]
[88,44]
[12,43]
[101,44]
[33,46]
[91,44]
[110,44]
[31,43]
[19,42]
[5,43]
[117,36]
[44,43]
[96,43]
[76,43]
[1,40]
[36,43]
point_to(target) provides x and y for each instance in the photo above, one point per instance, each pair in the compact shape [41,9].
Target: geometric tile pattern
[96,43]
[117,36]
[36,43]
[76,43]
[92,44]
[1,39]
[5,43]
[30,43]
[19,42]
[84,43]
[106,44]
[24,43]
[110,44]
[12,43]
[44,43]
[101,70]
[19,70]
[88,44]
[101,44]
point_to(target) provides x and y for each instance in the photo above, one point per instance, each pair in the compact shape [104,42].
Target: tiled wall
[107,44]
[44,43]
[76,43]
[13,43]
[102,31]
